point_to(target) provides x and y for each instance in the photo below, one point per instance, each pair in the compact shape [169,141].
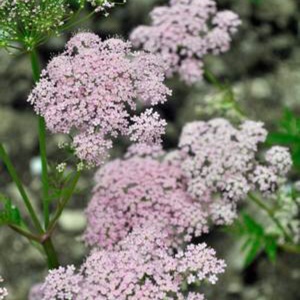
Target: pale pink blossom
[183,32]
[279,159]
[220,163]
[92,90]
[140,267]
[137,190]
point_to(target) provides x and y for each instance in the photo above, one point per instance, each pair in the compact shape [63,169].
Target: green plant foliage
[9,214]
[254,239]
[257,2]
[60,183]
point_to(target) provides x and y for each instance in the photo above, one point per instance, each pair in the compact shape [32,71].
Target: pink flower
[92,89]
[221,166]
[183,32]
[147,128]
[137,190]
[279,159]
[140,267]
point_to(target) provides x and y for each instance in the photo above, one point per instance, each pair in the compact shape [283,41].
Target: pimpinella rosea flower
[137,190]
[92,90]
[3,291]
[221,166]
[30,22]
[141,267]
[184,32]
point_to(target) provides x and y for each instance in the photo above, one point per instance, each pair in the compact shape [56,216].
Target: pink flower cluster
[3,291]
[140,267]
[138,190]
[92,89]
[184,32]
[219,159]
[214,168]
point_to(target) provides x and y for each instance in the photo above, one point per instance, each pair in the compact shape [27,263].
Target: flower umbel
[139,268]
[28,23]
[184,32]
[134,191]
[92,90]
[219,159]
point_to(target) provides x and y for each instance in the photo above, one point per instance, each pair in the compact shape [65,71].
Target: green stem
[51,254]
[210,77]
[63,203]
[42,144]
[291,248]
[48,247]
[78,22]
[13,173]
[35,65]
[25,233]
[270,213]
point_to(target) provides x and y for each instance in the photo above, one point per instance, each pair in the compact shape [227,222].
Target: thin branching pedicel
[25,24]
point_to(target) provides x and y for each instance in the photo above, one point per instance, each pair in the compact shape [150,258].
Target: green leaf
[254,249]
[271,248]
[282,138]
[246,244]
[9,214]
[252,226]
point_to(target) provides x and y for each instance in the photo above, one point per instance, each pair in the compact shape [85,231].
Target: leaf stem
[42,143]
[13,173]
[291,248]
[211,78]
[63,203]
[25,233]
[51,254]
[270,213]
[47,244]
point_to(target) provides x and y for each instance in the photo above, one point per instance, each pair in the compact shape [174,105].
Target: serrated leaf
[252,226]
[271,248]
[282,138]
[9,214]
[253,251]
[246,244]
[237,229]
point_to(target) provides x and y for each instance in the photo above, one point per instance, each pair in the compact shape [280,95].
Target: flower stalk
[42,143]
[270,213]
[15,177]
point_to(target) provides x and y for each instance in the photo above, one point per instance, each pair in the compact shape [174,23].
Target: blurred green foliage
[9,214]
[254,239]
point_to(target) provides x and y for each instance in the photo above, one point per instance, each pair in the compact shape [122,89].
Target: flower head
[137,190]
[92,90]
[280,159]
[141,267]
[183,32]
[219,161]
